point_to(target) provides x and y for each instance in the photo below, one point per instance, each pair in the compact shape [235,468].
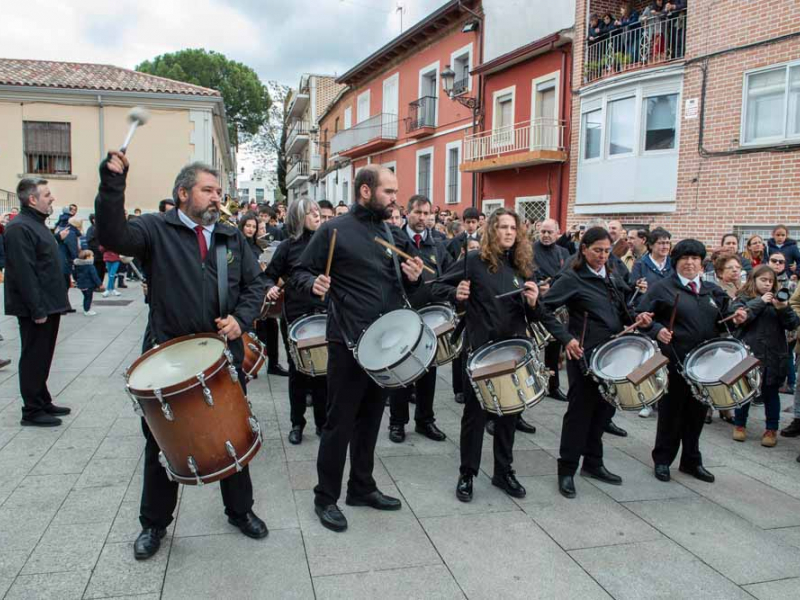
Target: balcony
[370,135]
[646,44]
[421,117]
[297,137]
[298,105]
[297,173]
[522,145]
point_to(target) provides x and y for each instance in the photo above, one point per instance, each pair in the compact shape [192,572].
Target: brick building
[690,121]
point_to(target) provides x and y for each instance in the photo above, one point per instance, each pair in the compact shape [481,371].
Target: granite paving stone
[430,583]
[783,588]
[68,585]
[67,548]
[118,573]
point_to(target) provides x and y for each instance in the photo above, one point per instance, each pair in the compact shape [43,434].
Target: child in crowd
[86,279]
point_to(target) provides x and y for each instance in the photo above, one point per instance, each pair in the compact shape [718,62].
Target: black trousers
[355,410]
[35,360]
[473,422]
[458,372]
[584,421]
[160,495]
[425,388]
[551,354]
[100,265]
[300,385]
[680,422]
[267,331]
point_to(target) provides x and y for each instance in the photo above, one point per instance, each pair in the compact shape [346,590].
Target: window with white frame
[461,64]
[533,208]
[592,133]
[660,122]
[429,93]
[348,117]
[452,173]
[489,206]
[621,126]
[425,173]
[362,107]
[545,130]
[503,118]
[772,105]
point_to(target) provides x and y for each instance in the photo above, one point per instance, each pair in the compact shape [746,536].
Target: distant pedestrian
[112,266]
[35,293]
[86,279]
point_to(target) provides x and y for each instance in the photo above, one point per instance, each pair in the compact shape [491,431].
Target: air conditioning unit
[316,162]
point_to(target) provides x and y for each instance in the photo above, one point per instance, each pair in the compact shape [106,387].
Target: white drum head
[618,358]
[436,316]
[176,363]
[516,350]
[710,362]
[389,339]
[309,327]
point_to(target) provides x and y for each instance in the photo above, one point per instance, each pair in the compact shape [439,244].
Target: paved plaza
[69,505]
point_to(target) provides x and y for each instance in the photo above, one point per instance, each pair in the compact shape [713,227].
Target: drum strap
[396,262]
[222,274]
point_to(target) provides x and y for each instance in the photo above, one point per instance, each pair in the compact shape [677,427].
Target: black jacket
[34,284]
[296,302]
[182,290]
[549,260]
[455,245]
[583,292]
[274,234]
[765,333]
[364,285]
[434,255]
[697,318]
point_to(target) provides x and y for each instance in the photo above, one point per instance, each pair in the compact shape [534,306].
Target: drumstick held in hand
[330,256]
[511,293]
[399,252]
[726,319]
[674,312]
[627,330]
[585,326]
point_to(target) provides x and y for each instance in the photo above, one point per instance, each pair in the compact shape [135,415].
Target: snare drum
[506,376]
[189,393]
[442,319]
[308,346]
[397,349]
[255,353]
[539,334]
[631,371]
[722,373]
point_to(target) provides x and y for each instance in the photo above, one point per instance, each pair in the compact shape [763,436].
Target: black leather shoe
[523,426]
[148,542]
[602,474]
[377,500]
[509,484]
[614,430]
[459,398]
[296,435]
[43,420]
[250,525]
[566,485]
[662,472]
[430,431]
[490,426]
[397,433]
[791,430]
[331,517]
[464,488]
[698,472]
[52,409]
[277,370]
[557,394]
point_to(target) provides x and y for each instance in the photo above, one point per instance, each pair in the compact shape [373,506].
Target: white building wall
[511,24]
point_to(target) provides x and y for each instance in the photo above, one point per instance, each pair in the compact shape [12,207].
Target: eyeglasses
[777,260]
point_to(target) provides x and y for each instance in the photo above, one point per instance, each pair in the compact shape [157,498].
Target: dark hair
[416,200]
[162,206]
[187,178]
[248,216]
[749,288]
[774,229]
[325,204]
[369,176]
[266,209]
[687,247]
[592,235]
[27,188]
[471,213]
[720,259]
[726,236]
[659,233]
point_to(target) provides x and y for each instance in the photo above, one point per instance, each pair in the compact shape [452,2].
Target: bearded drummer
[700,307]
[362,285]
[504,262]
[177,251]
[596,298]
[302,220]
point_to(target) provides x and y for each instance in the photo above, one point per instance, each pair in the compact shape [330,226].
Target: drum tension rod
[163,460]
[164,406]
[193,468]
[232,453]
[206,392]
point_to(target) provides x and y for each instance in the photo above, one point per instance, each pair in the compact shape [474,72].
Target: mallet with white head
[136,117]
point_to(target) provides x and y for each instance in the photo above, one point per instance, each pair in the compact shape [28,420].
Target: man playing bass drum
[504,262]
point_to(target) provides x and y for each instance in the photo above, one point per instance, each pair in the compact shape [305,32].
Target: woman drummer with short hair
[503,263]
[596,299]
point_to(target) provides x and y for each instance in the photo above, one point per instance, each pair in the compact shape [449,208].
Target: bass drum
[255,354]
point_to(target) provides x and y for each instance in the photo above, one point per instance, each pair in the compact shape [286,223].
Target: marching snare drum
[397,349]
[722,373]
[539,334]
[308,346]
[255,353]
[631,371]
[442,319]
[506,376]
[189,393]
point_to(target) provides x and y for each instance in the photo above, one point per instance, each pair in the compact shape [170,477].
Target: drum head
[389,339]
[617,358]
[436,316]
[500,352]
[309,327]
[176,363]
[709,362]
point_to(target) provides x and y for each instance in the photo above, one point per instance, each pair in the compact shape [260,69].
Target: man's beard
[207,217]
[378,209]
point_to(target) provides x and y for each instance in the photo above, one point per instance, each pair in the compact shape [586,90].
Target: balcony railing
[297,170]
[382,126]
[298,128]
[421,113]
[528,136]
[460,86]
[647,43]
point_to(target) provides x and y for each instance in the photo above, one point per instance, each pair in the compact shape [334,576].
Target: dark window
[424,171]
[452,184]
[47,147]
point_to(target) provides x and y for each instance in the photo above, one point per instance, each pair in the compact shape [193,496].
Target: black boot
[148,542]
[791,430]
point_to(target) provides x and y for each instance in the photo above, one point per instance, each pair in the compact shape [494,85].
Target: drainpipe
[101,125]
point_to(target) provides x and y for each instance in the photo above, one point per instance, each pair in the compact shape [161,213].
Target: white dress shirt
[207,229]
[685,282]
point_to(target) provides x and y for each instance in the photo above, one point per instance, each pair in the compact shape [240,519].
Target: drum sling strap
[396,262]
[221,249]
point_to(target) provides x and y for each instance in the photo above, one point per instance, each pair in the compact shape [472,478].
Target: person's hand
[321,285]
[778,304]
[664,336]
[412,268]
[740,316]
[644,320]
[229,327]
[41,321]
[767,298]
[531,293]
[273,293]
[574,350]
[543,288]
[63,234]
[117,162]
[462,291]
[641,285]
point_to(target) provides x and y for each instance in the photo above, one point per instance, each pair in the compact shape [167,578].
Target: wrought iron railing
[421,113]
[297,169]
[527,136]
[380,126]
[460,86]
[297,128]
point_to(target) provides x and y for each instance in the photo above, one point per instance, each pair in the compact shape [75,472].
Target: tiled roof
[85,76]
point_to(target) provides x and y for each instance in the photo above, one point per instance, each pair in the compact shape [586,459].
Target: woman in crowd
[754,251]
[248,225]
[656,264]
[112,266]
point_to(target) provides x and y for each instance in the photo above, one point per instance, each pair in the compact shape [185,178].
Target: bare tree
[266,147]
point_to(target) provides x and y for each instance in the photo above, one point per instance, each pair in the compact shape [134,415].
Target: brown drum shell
[255,353]
[197,429]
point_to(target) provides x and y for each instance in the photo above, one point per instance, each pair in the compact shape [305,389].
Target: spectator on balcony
[627,23]
[595,29]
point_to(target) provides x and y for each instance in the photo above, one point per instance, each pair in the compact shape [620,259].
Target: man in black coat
[35,293]
[178,253]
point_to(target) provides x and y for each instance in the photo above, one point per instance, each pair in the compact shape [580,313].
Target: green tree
[247,101]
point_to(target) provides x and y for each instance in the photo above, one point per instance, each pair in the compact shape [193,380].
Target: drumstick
[674,312]
[585,326]
[512,293]
[330,257]
[628,329]
[399,252]
[726,319]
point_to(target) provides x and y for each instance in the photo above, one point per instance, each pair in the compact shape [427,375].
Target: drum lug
[515,379]
[163,460]
[252,346]
[193,468]
[231,367]
[255,427]
[206,392]
[137,408]
[164,406]
[232,453]
[495,401]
